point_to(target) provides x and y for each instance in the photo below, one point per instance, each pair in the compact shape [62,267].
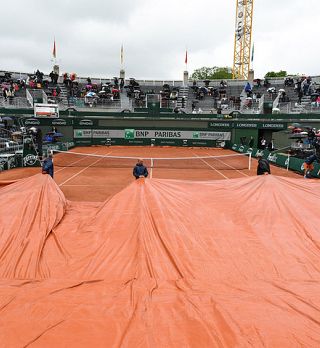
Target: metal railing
[29,97]
[15,102]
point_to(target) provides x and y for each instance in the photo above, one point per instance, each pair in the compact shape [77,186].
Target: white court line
[82,170]
[211,166]
[231,166]
[79,160]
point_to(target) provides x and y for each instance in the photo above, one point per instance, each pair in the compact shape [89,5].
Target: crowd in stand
[10,86]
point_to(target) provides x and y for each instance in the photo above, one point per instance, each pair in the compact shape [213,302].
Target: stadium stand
[289,95]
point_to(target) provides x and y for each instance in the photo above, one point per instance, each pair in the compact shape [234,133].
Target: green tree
[281,73]
[215,73]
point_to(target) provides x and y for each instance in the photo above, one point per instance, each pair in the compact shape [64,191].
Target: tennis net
[223,162]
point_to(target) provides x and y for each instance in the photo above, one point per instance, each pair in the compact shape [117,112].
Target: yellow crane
[242,39]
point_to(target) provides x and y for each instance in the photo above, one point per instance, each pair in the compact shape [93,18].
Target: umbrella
[7,118]
[304,133]
[248,98]
[281,90]
[90,94]
[296,124]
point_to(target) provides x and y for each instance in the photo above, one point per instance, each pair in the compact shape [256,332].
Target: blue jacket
[139,170]
[47,166]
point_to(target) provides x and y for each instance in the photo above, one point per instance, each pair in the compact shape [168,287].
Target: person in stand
[140,171]
[47,165]
[251,142]
[271,145]
[263,143]
[263,166]
[38,139]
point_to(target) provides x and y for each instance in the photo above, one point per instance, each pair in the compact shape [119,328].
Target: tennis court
[96,173]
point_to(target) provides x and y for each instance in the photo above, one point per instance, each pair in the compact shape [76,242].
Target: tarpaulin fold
[163,263]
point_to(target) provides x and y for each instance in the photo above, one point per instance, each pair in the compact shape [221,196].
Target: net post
[151,167]
[250,157]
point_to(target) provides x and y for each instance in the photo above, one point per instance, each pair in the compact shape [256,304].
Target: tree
[281,73]
[215,73]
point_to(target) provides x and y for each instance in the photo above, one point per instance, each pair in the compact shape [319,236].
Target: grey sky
[155,35]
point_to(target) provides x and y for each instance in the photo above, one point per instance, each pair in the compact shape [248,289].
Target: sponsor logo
[286,163]
[3,162]
[259,153]
[246,125]
[241,149]
[30,160]
[83,133]
[195,135]
[250,150]
[129,134]
[86,123]
[272,158]
[272,125]
[59,122]
[219,124]
[31,122]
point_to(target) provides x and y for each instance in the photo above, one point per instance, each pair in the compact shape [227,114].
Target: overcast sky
[155,35]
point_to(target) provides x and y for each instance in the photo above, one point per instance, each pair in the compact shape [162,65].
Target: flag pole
[186,59]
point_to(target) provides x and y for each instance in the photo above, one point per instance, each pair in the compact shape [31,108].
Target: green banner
[279,159]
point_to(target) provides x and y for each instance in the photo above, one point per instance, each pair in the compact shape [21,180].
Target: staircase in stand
[183,93]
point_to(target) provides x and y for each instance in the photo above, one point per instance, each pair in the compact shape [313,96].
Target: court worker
[140,170]
[263,166]
[47,165]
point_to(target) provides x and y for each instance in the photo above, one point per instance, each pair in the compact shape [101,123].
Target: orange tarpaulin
[163,263]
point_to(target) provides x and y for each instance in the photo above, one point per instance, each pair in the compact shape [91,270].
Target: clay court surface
[86,180]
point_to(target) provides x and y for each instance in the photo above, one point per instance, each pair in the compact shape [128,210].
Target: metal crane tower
[242,39]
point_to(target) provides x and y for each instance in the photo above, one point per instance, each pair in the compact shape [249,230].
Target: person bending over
[308,166]
[263,166]
[140,171]
[47,166]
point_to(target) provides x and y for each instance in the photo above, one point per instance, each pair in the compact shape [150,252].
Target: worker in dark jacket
[140,171]
[263,166]
[47,166]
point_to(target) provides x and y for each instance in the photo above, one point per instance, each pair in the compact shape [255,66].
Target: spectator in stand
[266,83]
[251,142]
[258,83]
[271,145]
[5,93]
[58,90]
[300,95]
[38,138]
[305,86]
[121,83]
[311,135]
[248,89]
[52,77]
[263,143]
